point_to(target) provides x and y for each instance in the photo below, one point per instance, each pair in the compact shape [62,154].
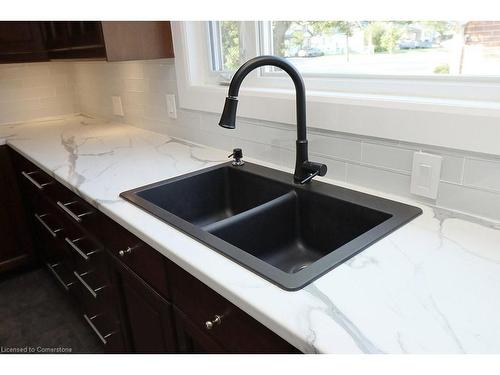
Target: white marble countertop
[430,287]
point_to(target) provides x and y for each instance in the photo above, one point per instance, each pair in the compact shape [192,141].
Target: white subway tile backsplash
[132,69]
[260,133]
[337,170]
[162,86]
[379,179]
[468,182]
[452,168]
[336,147]
[135,85]
[49,80]
[11,71]
[483,174]
[387,156]
[9,84]
[36,70]
[160,71]
[29,91]
[470,200]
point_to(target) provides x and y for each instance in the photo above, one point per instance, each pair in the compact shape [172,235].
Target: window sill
[451,123]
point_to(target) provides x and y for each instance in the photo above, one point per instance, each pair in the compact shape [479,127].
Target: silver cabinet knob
[217,320]
[127,251]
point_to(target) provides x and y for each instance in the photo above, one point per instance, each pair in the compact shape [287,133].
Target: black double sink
[288,233]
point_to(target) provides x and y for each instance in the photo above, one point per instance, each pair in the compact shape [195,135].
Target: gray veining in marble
[429,287]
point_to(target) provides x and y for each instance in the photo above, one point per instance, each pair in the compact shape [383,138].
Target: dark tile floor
[35,312]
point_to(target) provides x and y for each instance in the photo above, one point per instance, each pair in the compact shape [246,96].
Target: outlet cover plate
[171,107]
[117,105]
[425,174]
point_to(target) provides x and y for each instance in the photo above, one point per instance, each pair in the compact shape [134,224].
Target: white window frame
[454,112]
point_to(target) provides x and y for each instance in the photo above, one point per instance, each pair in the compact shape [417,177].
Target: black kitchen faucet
[305,170]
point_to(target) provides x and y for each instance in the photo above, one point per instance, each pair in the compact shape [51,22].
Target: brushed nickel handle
[87,286]
[39,186]
[74,246]
[53,232]
[56,275]
[76,217]
[96,331]
[216,321]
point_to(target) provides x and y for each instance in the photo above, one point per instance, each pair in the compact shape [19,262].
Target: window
[368,78]
[394,48]
[225,50]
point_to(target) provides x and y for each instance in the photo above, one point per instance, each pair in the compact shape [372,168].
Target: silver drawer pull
[65,207]
[33,181]
[53,232]
[87,286]
[216,321]
[96,331]
[56,275]
[75,247]
[128,250]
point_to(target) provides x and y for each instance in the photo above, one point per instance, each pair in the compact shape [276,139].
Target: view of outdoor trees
[380,47]
[230,40]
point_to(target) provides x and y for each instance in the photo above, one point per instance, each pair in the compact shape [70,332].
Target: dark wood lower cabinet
[16,248]
[131,297]
[191,340]
[149,315]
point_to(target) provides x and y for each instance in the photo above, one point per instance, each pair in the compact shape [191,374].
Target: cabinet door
[149,315]
[137,40]
[16,246]
[191,340]
[74,39]
[21,42]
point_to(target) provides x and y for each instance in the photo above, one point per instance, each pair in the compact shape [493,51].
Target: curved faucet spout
[300,90]
[304,170]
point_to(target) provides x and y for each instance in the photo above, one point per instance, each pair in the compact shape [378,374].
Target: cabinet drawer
[94,281]
[86,252]
[219,319]
[95,297]
[137,255]
[61,273]
[32,178]
[49,230]
[107,331]
[36,181]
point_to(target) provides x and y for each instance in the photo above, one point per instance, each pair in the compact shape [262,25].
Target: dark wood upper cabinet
[73,39]
[137,40]
[110,40]
[21,42]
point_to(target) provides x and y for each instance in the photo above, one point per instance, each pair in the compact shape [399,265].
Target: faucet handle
[237,155]
[309,177]
[314,169]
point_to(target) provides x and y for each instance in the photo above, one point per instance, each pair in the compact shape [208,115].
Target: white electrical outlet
[425,174]
[117,105]
[171,108]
